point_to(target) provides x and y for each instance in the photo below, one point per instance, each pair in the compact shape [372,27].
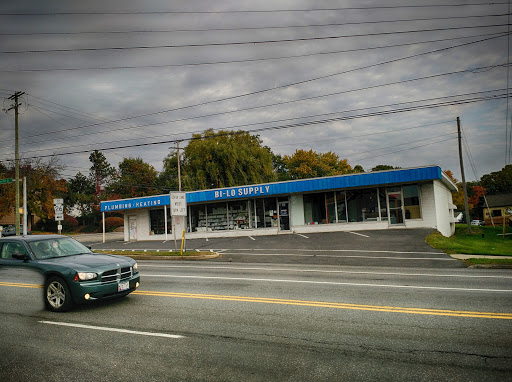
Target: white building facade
[402,198]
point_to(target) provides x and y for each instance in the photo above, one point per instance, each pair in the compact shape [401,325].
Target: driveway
[387,248]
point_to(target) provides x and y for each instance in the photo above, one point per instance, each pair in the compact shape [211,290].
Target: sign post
[178,212]
[58,206]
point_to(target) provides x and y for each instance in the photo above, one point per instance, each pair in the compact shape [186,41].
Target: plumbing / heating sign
[178,204]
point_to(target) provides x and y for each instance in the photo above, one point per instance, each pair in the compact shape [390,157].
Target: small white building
[401,198]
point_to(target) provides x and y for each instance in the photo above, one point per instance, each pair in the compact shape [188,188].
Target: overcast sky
[375,81]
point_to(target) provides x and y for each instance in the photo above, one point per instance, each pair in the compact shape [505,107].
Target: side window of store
[411,202]
[157,221]
[363,205]
[315,209]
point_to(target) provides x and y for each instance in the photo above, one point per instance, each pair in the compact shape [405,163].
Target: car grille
[116,274]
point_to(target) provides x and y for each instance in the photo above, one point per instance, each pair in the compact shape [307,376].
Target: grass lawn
[482,241]
[153,253]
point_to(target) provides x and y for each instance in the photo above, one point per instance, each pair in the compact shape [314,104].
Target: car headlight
[135,268]
[84,276]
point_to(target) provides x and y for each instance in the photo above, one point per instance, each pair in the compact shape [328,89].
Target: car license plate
[123,285]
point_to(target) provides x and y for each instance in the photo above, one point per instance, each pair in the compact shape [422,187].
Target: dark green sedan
[72,273]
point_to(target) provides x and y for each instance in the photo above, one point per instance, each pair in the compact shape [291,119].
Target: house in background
[497,206]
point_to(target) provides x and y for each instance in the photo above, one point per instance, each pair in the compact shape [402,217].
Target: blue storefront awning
[361,180]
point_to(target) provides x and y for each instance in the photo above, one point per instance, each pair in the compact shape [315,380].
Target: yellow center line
[20,285]
[317,304]
[334,305]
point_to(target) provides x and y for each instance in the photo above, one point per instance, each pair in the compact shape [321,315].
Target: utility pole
[177,148]
[15,97]
[179,166]
[466,206]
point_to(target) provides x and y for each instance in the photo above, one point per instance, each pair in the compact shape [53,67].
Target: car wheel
[57,295]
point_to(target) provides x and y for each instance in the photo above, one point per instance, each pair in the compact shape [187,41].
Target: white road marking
[330,283]
[304,236]
[112,329]
[252,238]
[344,256]
[475,276]
[360,234]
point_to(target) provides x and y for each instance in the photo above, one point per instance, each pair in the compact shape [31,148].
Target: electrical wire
[259,28]
[236,43]
[392,7]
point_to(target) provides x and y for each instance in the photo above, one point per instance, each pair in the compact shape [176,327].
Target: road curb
[177,257]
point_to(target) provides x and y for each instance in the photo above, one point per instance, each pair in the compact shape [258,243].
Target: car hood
[90,261]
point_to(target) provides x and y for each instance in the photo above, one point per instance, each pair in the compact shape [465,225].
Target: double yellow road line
[332,305]
[315,304]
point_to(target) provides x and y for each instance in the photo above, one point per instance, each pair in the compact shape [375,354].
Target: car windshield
[57,247]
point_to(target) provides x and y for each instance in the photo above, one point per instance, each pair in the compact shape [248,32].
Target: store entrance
[395,205]
[284,214]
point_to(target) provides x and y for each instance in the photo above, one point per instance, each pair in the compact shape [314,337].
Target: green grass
[482,241]
[470,262]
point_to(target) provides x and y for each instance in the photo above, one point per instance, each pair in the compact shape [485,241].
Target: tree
[498,182]
[135,178]
[80,194]
[309,164]
[280,168]
[230,158]
[43,185]
[382,167]
[101,171]
[168,178]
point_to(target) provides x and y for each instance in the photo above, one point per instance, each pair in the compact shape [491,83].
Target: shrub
[111,223]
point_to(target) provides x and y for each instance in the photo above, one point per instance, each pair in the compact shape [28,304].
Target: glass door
[284,215]
[395,206]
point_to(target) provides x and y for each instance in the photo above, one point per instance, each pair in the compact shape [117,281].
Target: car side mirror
[20,256]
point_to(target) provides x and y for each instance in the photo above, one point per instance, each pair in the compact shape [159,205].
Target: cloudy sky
[375,81]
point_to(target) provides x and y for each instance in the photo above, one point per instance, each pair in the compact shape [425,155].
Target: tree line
[210,160]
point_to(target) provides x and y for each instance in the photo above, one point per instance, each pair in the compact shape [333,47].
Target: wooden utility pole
[468,221]
[179,166]
[15,106]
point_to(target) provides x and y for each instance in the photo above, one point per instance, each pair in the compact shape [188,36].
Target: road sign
[178,204]
[58,201]
[58,208]
[59,217]
[6,180]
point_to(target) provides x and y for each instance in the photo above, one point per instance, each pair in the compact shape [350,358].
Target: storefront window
[197,218]
[266,210]
[362,205]
[411,202]
[331,207]
[239,215]
[383,204]
[341,206]
[217,217]
[314,209]
[157,221]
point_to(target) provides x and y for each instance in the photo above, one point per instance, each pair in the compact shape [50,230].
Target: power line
[366,115]
[249,10]
[286,85]
[143,31]
[235,43]
[268,105]
[118,67]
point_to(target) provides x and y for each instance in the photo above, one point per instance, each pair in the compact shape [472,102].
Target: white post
[25,228]
[165,221]
[103,214]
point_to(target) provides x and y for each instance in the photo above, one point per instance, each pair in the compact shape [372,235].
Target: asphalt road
[221,321]
[389,248]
